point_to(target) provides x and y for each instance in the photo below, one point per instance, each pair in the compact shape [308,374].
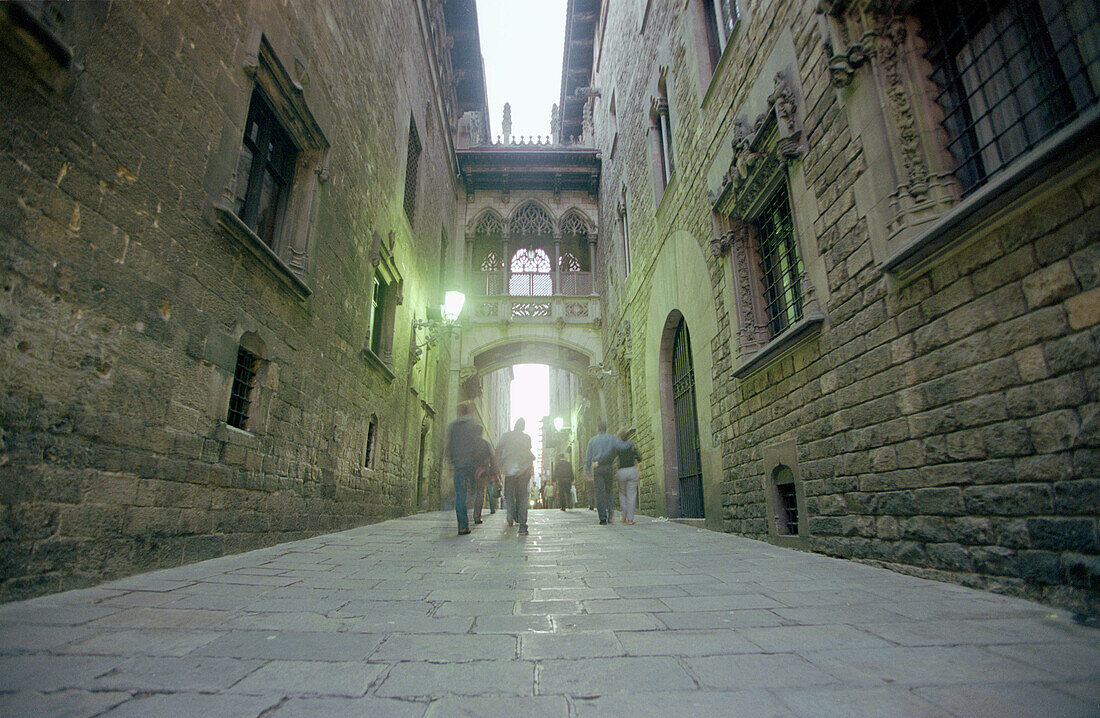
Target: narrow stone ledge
[232,226]
[1051,157]
[372,359]
[801,331]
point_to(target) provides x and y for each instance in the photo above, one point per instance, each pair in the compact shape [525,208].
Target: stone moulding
[795,336]
[1049,158]
[232,226]
[761,151]
[884,37]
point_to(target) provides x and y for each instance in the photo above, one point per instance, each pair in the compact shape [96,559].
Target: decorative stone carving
[489,223]
[574,223]
[891,39]
[843,66]
[375,255]
[761,150]
[530,220]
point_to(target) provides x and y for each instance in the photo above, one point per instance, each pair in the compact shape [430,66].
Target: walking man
[600,461]
[463,451]
[516,462]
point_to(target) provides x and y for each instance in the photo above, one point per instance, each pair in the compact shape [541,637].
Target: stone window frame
[662,153]
[386,295]
[33,33]
[759,167]
[917,210]
[777,457]
[289,255]
[707,42]
[622,211]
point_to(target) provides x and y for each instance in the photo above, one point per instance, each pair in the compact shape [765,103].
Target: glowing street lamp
[558,423]
[452,306]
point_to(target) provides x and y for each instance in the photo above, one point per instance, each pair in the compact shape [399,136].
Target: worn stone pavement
[405,618]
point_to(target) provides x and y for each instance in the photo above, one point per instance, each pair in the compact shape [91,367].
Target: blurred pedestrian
[562,474]
[486,471]
[516,463]
[627,475]
[462,450]
[599,459]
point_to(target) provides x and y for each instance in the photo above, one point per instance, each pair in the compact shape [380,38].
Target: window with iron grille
[788,504]
[264,170]
[411,165]
[240,395]
[780,263]
[1009,74]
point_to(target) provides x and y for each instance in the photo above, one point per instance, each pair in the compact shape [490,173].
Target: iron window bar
[780,263]
[1010,73]
[240,395]
[788,499]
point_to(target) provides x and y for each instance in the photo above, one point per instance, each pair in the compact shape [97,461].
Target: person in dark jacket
[627,475]
[486,472]
[463,450]
[562,475]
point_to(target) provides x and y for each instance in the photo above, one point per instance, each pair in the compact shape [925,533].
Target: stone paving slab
[405,618]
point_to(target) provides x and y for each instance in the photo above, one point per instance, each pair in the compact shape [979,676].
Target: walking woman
[627,476]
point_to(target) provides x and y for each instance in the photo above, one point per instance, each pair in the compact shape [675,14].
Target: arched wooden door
[690,465]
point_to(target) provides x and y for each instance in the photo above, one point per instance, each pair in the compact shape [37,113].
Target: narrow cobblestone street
[404,618]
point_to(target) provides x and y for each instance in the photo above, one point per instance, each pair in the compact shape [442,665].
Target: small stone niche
[783,492]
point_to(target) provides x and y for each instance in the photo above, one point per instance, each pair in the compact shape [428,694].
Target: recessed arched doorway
[684,465]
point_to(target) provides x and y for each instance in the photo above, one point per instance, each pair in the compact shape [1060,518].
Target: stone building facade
[222,223]
[892,323]
[836,261]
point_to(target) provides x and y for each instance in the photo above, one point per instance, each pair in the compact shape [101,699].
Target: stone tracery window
[488,224]
[533,261]
[492,263]
[531,273]
[574,224]
[530,220]
[568,262]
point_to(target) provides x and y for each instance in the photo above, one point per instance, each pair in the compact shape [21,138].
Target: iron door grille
[687,431]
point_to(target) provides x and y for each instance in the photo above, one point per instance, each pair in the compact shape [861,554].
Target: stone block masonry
[944,417]
[124,299]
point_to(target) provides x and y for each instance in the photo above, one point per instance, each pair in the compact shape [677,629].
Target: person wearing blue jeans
[465,452]
[516,462]
[600,461]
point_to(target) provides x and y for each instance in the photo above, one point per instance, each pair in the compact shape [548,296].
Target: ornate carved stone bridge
[530,269]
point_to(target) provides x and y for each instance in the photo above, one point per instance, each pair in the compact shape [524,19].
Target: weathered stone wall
[123,304]
[943,422]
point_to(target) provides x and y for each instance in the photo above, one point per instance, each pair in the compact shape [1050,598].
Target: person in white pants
[627,476]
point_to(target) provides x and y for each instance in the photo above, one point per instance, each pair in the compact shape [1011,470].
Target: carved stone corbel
[375,254]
